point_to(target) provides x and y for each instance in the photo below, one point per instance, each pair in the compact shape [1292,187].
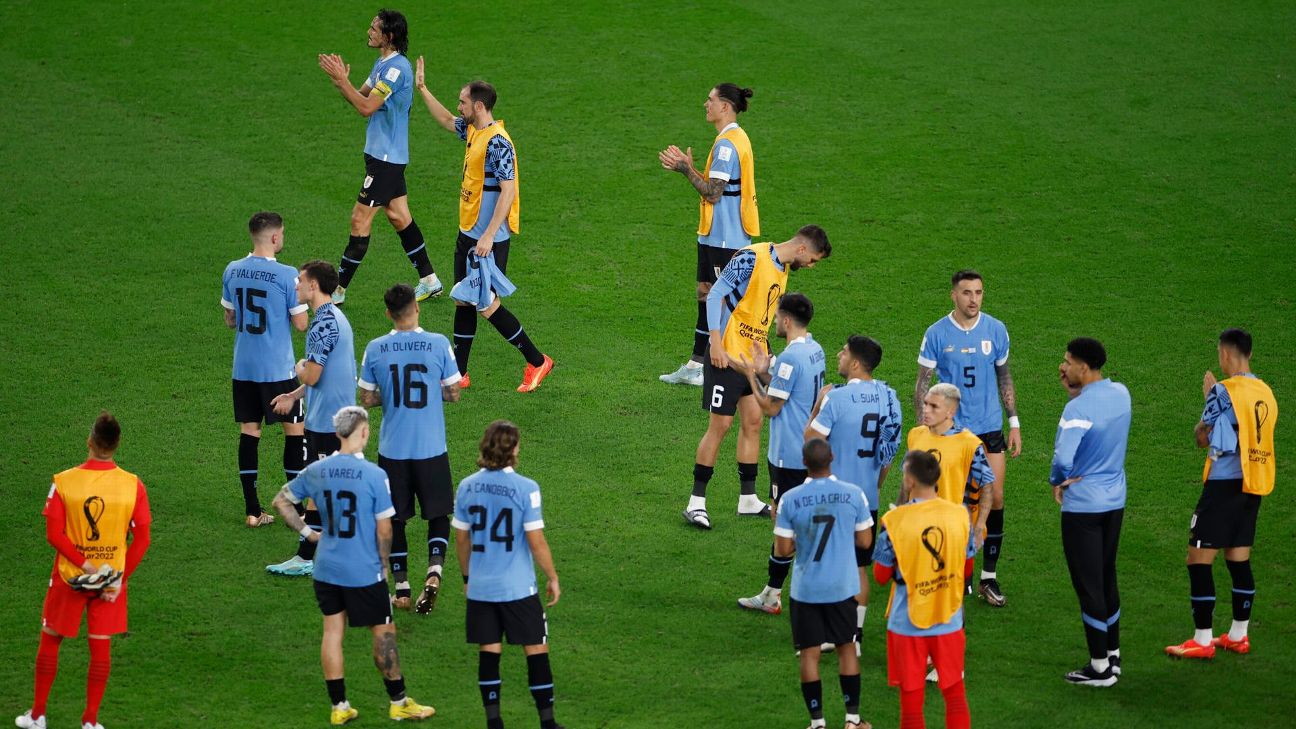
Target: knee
[360,221]
[400,219]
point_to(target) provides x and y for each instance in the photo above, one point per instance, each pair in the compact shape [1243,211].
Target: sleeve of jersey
[449,365]
[55,522]
[459,520]
[724,162]
[1002,346]
[883,553]
[141,515]
[863,519]
[461,128]
[784,379]
[290,298]
[368,379]
[783,521]
[382,503]
[891,425]
[733,280]
[1217,404]
[928,350]
[531,516]
[823,422]
[499,158]
[226,294]
[1071,430]
[981,471]
[320,342]
[297,487]
[388,81]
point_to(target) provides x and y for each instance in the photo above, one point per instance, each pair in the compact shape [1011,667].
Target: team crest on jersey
[985,346]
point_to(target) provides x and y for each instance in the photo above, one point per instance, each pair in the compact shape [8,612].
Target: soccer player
[969,349]
[1088,478]
[488,216]
[499,538]
[926,541]
[862,422]
[328,375]
[965,470]
[727,209]
[259,296]
[793,379]
[1240,417]
[739,309]
[384,99]
[92,512]
[825,523]
[350,586]
[396,372]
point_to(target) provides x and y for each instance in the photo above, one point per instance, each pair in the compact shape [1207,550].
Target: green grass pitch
[1118,169]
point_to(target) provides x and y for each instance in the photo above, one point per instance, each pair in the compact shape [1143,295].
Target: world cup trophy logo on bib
[1261,415]
[933,539]
[93,509]
[771,301]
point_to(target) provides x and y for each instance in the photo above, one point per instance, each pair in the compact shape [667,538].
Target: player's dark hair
[497,446]
[323,274]
[817,455]
[392,24]
[798,307]
[923,467]
[966,274]
[817,238]
[398,299]
[1088,350]
[865,350]
[1239,339]
[263,221]
[483,92]
[105,434]
[736,95]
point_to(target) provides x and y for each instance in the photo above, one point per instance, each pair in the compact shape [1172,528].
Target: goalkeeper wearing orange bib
[97,519]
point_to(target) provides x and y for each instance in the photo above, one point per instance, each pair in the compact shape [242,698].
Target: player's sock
[438,541]
[488,681]
[395,689]
[336,690]
[305,547]
[911,709]
[351,258]
[747,479]
[46,670]
[701,336]
[850,688]
[398,558]
[97,677]
[701,477]
[247,464]
[294,455]
[540,678]
[957,715]
[778,570]
[993,541]
[511,329]
[411,239]
[1100,664]
[465,328]
[1243,596]
[1113,631]
[812,693]
[1201,585]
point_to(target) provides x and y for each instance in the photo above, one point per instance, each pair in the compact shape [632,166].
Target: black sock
[1096,639]
[540,677]
[411,239]
[465,328]
[351,258]
[488,681]
[294,455]
[701,477]
[812,692]
[398,559]
[778,570]
[1113,632]
[511,329]
[1201,586]
[305,547]
[247,465]
[701,335]
[1243,588]
[993,540]
[850,686]
[336,689]
[395,688]
[438,540]
[747,479]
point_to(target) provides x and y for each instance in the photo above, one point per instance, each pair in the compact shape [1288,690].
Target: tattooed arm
[284,504]
[1008,393]
[682,162]
[921,386]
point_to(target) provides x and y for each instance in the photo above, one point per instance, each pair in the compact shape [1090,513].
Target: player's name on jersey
[493,488]
[927,587]
[256,275]
[816,499]
[413,345]
[345,472]
[865,397]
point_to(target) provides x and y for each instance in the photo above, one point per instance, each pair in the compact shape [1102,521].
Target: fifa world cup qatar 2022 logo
[933,540]
[771,301]
[93,508]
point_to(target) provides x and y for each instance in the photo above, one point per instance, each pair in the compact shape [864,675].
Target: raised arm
[339,73]
[673,159]
[441,114]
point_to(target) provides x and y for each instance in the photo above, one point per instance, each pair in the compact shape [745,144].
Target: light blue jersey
[731,286]
[1222,419]
[861,421]
[966,358]
[822,515]
[500,164]
[726,223]
[329,345]
[1091,440]
[898,621]
[497,509]
[387,135]
[795,378]
[352,496]
[409,369]
[262,293]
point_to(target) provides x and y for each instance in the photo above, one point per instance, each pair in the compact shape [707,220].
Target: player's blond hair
[947,391]
[349,419]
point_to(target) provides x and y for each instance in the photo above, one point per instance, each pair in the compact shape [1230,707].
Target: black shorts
[816,623]
[463,244]
[783,480]
[711,261]
[864,557]
[523,621]
[993,441]
[722,389]
[252,402]
[428,479]
[1225,516]
[364,606]
[320,445]
[383,182]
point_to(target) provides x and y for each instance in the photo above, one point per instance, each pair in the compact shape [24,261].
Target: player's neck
[792,334]
[723,122]
[319,300]
[858,374]
[483,121]
[385,52]
[922,492]
[965,322]
[1236,368]
[406,325]
[942,427]
[91,455]
[264,251]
